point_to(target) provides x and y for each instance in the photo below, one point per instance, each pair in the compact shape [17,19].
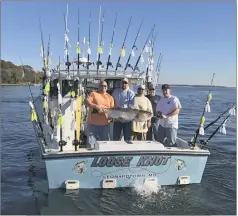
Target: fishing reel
[67,64]
[203,143]
[137,68]
[75,144]
[109,64]
[61,144]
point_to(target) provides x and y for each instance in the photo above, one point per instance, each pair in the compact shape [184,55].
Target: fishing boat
[59,117]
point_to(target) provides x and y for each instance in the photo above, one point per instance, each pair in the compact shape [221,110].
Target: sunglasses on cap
[104,85]
[124,82]
[141,89]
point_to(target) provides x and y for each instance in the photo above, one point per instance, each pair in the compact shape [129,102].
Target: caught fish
[128,114]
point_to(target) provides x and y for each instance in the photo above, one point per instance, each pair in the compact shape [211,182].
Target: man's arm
[114,96]
[174,112]
[149,109]
[90,102]
[112,104]
[132,99]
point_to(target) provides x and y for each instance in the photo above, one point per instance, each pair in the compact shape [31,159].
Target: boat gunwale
[50,156]
[58,155]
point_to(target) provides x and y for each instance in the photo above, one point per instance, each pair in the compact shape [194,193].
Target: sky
[196,38]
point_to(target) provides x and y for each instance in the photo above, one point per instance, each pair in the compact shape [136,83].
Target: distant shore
[172,85]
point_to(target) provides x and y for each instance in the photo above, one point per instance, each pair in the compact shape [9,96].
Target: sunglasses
[104,86]
[140,89]
[124,83]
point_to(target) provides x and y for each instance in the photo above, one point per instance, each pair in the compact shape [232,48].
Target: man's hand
[159,114]
[98,108]
[148,124]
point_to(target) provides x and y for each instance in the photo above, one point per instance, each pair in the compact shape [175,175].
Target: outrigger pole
[133,47]
[206,108]
[123,51]
[111,45]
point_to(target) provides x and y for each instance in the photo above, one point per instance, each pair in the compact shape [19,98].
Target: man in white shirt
[168,109]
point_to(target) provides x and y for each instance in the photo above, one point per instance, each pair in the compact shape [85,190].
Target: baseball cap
[141,86]
[165,86]
[151,86]
[125,80]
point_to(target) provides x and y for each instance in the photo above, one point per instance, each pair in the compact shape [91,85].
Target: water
[24,182]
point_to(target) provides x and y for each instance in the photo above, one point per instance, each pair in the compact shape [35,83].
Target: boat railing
[94,74]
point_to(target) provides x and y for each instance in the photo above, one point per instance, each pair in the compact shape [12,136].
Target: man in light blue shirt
[123,98]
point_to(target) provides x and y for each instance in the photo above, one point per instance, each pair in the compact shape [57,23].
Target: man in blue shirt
[123,98]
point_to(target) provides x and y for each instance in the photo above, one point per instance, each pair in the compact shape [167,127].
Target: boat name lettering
[152,160]
[126,161]
[111,161]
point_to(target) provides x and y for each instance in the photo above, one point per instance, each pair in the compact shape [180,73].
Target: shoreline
[172,85]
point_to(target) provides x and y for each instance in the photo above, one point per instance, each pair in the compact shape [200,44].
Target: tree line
[14,74]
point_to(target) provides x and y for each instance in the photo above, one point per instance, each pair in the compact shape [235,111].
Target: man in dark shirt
[154,121]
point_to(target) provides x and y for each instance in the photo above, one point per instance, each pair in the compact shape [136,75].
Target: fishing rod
[100,50]
[27,83]
[48,57]
[89,40]
[213,122]
[122,53]
[134,46]
[34,115]
[135,67]
[60,118]
[219,127]
[158,67]
[149,68]
[42,53]
[78,51]
[111,45]
[202,120]
[67,63]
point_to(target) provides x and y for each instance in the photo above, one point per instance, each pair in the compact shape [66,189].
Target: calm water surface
[24,182]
